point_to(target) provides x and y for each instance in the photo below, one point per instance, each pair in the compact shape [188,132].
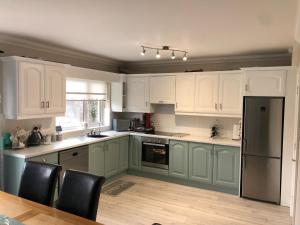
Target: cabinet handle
[246,87]
[216,106]
[221,106]
[42,105]
[44,160]
[176,105]
[47,104]
[146,103]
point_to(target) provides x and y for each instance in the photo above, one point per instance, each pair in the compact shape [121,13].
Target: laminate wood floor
[151,201]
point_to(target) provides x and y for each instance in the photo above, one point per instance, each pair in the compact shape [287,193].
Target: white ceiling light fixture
[157,54]
[164,48]
[185,56]
[143,52]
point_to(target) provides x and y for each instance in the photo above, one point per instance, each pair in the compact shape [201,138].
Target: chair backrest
[80,193]
[38,182]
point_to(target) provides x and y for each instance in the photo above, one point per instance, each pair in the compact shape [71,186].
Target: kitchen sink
[97,136]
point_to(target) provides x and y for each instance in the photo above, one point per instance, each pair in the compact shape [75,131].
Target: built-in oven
[155,152]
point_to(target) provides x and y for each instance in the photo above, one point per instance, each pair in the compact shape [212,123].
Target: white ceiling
[116,28]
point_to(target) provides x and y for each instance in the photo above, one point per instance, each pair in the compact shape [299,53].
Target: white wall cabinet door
[206,94]
[265,82]
[55,89]
[230,93]
[138,94]
[162,89]
[185,93]
[31,88]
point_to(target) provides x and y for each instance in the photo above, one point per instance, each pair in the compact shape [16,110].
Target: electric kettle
[35,137]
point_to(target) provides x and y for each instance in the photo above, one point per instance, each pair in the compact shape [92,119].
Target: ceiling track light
[164,48]
[157,54]
[143,52]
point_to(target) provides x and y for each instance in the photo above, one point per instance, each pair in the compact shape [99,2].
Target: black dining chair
[80,193]
[38,182]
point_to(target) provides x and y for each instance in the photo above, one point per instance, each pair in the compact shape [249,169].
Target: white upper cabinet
[31,93]
[32,88]
[230,93]
[55,88]
[264,82]
[185,93]
[162,89]
[206,93]
[138,94]
[119,95]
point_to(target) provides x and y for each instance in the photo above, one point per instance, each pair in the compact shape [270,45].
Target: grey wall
[209,64]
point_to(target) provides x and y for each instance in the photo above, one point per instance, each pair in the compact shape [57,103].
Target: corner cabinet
[178,159]
[32,88]
[135,152]
[124,153]
[201,162]
[265,82]
[226,166]
[138,94]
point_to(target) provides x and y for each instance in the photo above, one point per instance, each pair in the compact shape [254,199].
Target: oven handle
[154,144]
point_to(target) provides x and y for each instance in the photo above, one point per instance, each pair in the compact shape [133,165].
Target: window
[87,105]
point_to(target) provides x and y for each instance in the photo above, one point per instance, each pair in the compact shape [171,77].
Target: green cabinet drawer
[226,166]
[96,159]
[48,158]
[201,162]
[178,159]
[135,153]
[124,153]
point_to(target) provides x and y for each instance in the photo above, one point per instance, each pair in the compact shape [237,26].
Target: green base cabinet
[226,166]
[135,152]
[178,159]
[201,162]
[96,159]
[111,157]
[124,153]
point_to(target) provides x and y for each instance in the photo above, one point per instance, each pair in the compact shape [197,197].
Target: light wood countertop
[31,213]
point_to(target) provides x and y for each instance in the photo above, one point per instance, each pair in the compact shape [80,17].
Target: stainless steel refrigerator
[262,148]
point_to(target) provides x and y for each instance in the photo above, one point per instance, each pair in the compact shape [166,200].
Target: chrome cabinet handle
[221,106]
[42,105]
[246,87]
[176,105]
[47,104]
[216,106]
[44,160]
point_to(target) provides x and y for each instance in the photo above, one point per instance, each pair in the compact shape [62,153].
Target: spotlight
[157,54]
[143,51]
[173,55]
[184,57]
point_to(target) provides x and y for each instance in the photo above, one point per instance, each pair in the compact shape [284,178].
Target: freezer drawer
[261,178]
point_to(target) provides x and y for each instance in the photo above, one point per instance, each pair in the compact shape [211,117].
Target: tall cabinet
[33,88]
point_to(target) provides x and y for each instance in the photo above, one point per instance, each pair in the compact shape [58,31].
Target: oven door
[155,155]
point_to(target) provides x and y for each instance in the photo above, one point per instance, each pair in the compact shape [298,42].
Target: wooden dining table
[32,213]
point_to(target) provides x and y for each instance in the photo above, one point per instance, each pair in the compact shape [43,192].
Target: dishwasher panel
[75,158]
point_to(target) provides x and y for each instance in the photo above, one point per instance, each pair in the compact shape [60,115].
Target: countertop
[84,140]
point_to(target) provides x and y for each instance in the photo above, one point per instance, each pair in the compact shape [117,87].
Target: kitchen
[161,133]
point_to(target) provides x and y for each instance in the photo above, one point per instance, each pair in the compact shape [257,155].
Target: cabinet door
[135,153]
[226,166]
[55,89]
[124,146]
[31,89]
[207,89]
[111,158]
[230,93]
[201,162]
[178,159]
[162,89]
[96,159]
[138,94]
[265,83]
[185,93]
